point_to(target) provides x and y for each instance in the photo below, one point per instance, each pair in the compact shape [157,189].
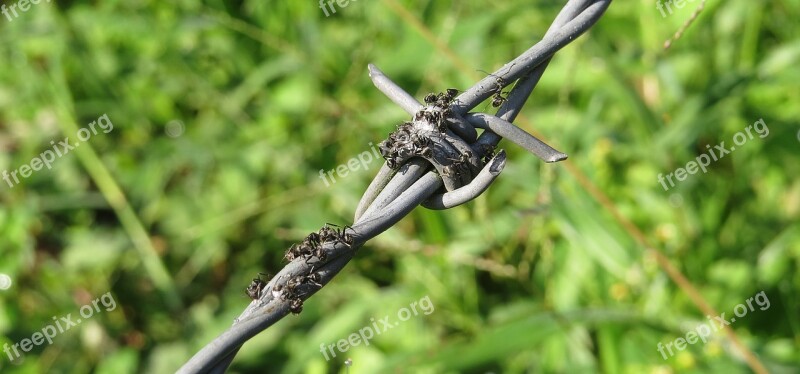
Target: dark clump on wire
[412,139]
[294,292]
[256,287]
[310,247]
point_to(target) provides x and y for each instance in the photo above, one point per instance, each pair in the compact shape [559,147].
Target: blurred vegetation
[224,113]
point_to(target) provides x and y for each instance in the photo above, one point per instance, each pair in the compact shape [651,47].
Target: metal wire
[440,169]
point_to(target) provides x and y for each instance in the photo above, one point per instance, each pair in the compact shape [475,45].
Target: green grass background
[540,274]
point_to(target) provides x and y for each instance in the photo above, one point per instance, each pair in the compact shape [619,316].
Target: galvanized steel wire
[446,167]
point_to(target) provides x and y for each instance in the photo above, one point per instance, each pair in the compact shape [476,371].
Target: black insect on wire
[440,110]
[319,253]
[333,232]
[256,286]
[304,249]
[313,240]
[346,237]
[442,99]
[314,279]
[447,97]
[296,305]
[328,232]
[499,97]
[458,166]
[309,247]
[291,293]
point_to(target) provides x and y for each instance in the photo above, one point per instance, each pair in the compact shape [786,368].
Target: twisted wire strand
[395,193]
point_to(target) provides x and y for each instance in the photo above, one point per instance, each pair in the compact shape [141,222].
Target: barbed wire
[436,160]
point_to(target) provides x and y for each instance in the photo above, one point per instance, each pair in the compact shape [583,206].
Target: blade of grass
[154,267]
